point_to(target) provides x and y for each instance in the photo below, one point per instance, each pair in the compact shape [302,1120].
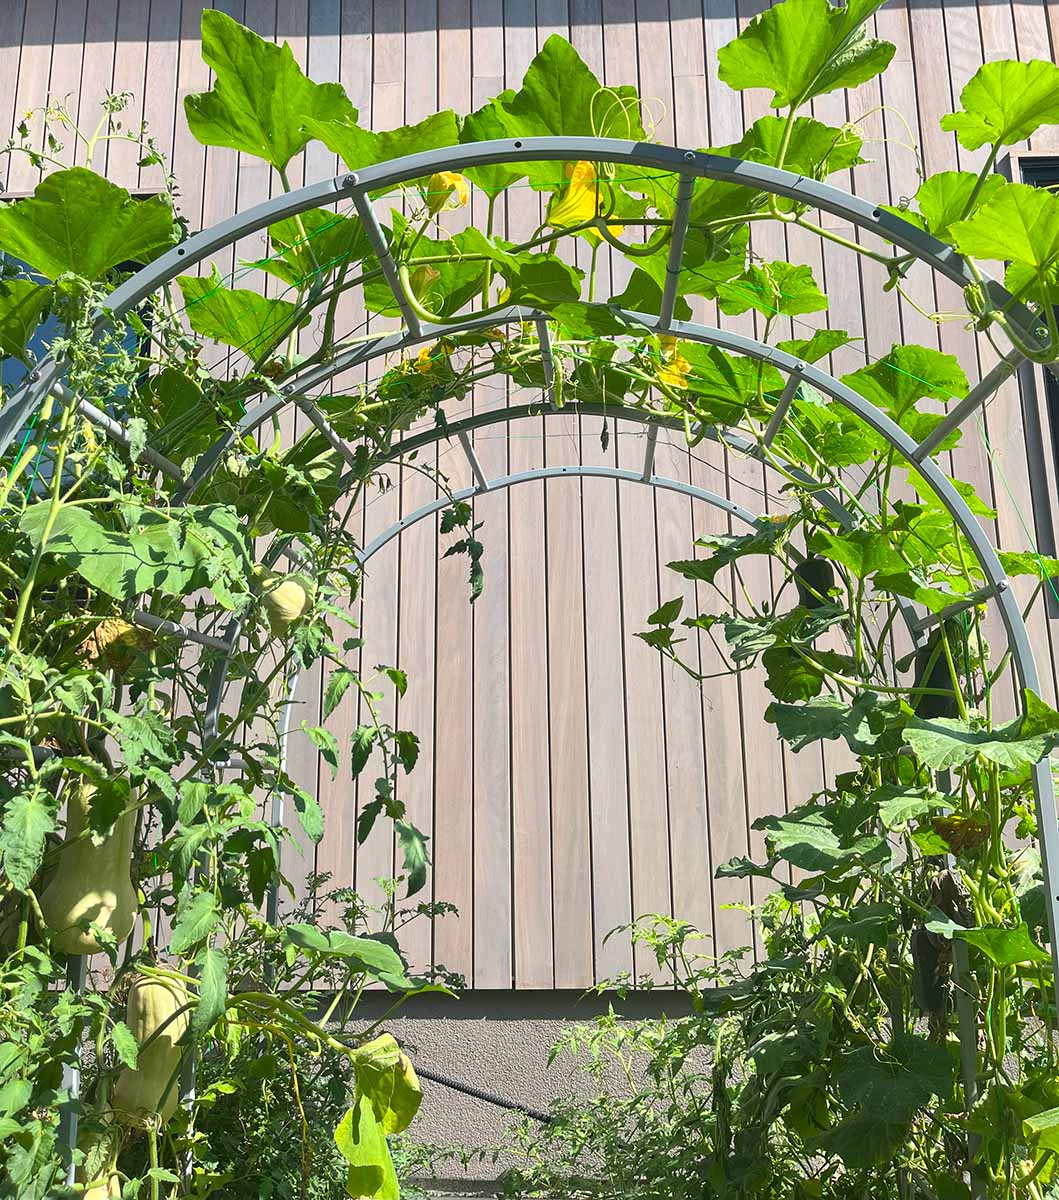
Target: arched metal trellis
[687,166]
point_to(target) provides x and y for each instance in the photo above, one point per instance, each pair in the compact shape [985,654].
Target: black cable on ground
[479,1094]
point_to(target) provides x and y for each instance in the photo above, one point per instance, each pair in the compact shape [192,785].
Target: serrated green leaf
[326,742]
[28,818]
[533,279]
[196,916]
[1005,102]
[261,99]
[893,1082]
[805,48]
[1004,947]
[861,551]
[560,97]
[725,549]
[212,965]
[820,345]
[313,244]
[946,742]
[413,846]
[361,742]
[174,555]
[777,289]
[125,1044]
[906,375]
[77,222]
[947,197]
[359,148]
[486,125]
[338,684]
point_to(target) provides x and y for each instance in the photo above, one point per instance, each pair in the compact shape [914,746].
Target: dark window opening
[1041,427]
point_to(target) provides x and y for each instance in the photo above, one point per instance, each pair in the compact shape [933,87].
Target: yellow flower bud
[443,186]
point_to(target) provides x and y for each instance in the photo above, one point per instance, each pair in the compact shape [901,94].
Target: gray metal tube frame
[861,213]
[358,187]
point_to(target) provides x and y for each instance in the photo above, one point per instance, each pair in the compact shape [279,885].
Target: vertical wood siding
[569,780]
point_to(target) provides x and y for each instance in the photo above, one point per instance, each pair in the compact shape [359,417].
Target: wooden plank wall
[569,779]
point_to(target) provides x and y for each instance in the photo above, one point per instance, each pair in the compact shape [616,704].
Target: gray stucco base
[498,1042]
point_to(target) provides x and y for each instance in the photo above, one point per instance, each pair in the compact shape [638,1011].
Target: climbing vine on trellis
[153,643]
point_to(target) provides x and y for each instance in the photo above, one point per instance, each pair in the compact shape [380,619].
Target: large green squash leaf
[893,1082]
[560,97]
[236,317]
[261,99]
[906,375]
[947,742]
[1002,946]
[442,286]
[77,222]
[947,197]
[195,548]
[777,289]
[1005,102]
[362,1142]
[533,279]
[805,48]
[813,148]
[1019,223]
[485,125]
[359,147]
[313,245]
[22,302]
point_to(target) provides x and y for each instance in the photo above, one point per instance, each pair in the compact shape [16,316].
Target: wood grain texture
[569,780]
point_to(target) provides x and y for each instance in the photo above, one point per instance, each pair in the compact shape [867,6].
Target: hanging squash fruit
[92,881]
[157,1013]
[285,598]
[813,577]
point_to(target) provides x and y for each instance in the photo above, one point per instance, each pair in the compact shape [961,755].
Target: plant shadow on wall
[140,831]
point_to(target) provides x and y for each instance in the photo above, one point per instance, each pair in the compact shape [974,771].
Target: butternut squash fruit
[92,882]
[150,1090]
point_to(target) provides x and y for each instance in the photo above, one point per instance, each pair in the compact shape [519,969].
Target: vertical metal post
[678,236]
[381,246]
[71,1080]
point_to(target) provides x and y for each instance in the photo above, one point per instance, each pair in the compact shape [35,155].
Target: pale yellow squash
[149,1091]
[92,882]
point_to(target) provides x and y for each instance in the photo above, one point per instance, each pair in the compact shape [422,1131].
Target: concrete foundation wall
[497,1042]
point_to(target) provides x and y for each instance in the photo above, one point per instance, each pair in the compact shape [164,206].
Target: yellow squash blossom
[674,368]
[580,200]
[430,356]
[442,187]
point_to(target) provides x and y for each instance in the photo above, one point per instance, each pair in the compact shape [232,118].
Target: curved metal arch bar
[357,186]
